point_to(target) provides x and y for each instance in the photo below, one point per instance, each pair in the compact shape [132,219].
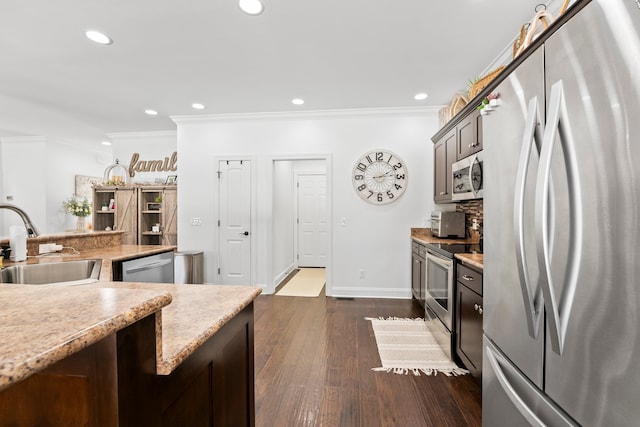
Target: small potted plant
[80,207]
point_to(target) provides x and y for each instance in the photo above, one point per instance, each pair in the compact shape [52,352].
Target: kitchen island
[120,353]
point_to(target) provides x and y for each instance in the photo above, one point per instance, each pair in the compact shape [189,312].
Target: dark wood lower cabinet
[469,319]
[113,383]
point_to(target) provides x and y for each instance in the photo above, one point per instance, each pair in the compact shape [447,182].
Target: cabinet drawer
[469,277]
[418,249]
[422,250]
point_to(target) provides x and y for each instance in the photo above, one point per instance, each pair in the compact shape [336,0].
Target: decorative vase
[81,224]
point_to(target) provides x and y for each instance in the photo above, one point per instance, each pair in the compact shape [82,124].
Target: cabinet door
[477,119]
[469,135]
[469,329]
[170,217]
[415,276]
[466,137]
[444,155]
[126,214]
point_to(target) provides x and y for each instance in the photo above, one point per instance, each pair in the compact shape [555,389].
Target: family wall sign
[169,164]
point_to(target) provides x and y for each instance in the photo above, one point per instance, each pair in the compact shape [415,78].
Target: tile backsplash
[473,209]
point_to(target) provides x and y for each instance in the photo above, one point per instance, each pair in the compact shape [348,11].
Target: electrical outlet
[47,248]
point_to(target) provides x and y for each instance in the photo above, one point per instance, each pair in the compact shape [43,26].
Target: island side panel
[79,390]
[212,387]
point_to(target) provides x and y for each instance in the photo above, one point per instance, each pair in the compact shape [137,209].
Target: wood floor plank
[313,360]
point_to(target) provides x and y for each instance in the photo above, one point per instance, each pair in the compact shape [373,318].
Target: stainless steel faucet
[31,229]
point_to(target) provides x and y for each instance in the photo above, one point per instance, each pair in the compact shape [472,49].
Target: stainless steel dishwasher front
[150,269]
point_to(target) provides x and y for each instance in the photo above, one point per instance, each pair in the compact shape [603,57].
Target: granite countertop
[108,254]
[474,260]
[196,313]
[424,236]
[40,325]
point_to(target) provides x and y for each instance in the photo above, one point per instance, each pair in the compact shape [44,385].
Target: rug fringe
[416,372]
[417,319]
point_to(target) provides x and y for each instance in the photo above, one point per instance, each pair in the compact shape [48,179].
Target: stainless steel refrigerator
[562,229]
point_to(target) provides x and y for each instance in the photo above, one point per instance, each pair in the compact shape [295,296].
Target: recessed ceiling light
[151,112]
[251,7]
[98,37]
[106,143]
[421,96]
[197,106]
[297,101]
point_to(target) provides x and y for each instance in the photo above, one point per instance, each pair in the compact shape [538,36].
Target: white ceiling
[167,54]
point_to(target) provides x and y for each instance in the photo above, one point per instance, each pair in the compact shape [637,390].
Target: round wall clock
[380,177]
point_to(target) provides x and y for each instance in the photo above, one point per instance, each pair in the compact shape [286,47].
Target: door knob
[246,233]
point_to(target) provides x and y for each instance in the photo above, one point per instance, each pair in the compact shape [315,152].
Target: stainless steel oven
[439,286]
[439,296]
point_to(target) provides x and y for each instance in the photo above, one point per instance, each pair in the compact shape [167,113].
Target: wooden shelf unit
[158,207]
[137,208]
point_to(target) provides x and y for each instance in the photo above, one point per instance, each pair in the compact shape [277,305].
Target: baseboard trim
[356,292]
[286,279]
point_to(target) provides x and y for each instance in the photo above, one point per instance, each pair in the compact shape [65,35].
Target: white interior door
[313,237]
[234,205]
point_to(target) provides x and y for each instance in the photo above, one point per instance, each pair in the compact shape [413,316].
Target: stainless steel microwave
[467,178]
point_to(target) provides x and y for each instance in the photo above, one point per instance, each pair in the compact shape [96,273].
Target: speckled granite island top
[40,326]
[196,313]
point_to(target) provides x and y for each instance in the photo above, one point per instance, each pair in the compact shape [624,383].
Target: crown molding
[313,114]
[22,139]
[142,135]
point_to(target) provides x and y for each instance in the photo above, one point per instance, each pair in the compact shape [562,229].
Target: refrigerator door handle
[513,395]
[530,141]
[558,311]
[531,402]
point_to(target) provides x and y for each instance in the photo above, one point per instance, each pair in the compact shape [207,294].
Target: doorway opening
[301,226]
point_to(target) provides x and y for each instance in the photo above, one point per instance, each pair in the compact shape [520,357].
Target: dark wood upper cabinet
[444,155]
[469,132]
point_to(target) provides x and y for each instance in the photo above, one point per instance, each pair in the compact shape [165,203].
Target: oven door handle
[443,262]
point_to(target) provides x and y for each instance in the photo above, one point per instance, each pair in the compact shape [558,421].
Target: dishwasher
[150,269]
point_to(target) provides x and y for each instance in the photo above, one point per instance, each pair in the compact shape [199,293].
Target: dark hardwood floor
[313,360]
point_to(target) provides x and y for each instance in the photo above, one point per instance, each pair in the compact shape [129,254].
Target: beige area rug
[407,346]
[308,282]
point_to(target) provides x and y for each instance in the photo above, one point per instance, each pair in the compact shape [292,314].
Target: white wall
[282,244]
[150,146]
[39,174]
[374,239]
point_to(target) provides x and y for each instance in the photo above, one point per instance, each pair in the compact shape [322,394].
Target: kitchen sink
[67,273]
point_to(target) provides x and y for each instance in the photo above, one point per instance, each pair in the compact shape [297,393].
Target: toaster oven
[448,224]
